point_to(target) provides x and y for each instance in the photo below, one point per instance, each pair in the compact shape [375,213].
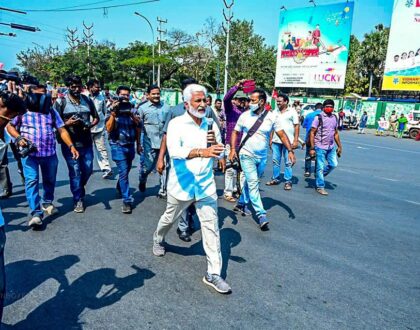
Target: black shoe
[126,208]
[6,194]
[142,186]
[183,235]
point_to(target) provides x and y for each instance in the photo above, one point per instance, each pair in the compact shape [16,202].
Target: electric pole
[161,31]
[88,41]
[72,39]
[228,20]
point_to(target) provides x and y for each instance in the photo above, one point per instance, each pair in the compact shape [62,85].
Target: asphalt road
[347,261]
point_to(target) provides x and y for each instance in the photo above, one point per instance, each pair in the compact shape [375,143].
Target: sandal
[230,199]
[272,183]
[287,186]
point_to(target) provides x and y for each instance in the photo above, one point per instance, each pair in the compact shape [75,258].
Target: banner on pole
[313,46]
[402,67]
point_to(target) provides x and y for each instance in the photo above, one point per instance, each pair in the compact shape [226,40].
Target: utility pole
[228,19]
[72,39]
[153,43]
[88,41]
[161,31]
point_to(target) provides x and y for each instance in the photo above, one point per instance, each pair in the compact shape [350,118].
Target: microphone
[210,122]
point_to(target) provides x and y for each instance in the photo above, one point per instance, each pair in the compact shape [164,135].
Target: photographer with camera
[77,110]
[35,139]
[10,106]
[124,128]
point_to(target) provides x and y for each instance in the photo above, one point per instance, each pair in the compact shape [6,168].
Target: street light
[153,43]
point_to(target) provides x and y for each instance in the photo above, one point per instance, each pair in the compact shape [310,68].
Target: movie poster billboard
[313,46]
[402,67]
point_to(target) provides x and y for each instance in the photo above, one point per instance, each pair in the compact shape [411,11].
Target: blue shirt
[153,120]
[307,122]
[124,132]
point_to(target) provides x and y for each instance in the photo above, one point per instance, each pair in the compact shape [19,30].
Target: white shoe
[49,209]
[35,221]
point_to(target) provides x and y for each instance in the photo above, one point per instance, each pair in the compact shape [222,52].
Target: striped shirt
[39,129]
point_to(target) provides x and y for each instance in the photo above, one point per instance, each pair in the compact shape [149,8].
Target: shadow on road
[25,275]
[229,238]
[311,184]
[63,311]
[268,203]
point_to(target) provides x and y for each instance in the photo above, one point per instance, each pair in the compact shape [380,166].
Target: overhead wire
[86,9]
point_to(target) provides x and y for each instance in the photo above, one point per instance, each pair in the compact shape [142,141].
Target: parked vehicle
[413,126]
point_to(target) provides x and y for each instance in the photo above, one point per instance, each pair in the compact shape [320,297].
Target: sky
[121,26]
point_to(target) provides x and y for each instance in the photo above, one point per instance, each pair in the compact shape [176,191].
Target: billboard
[402,66]
[313,46]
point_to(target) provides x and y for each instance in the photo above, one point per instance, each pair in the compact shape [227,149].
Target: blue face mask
[254,107]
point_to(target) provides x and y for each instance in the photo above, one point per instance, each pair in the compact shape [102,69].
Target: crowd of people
[185,143]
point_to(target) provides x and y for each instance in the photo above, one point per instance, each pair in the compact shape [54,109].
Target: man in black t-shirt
[76,110]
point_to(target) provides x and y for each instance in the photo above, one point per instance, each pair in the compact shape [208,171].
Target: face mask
[196,113]
[328,110]
[254,107]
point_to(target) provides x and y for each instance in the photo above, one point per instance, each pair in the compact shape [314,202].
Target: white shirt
[288,119]
[189,178]
[257,145]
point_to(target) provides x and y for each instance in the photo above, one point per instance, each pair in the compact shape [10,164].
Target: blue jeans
[323,169]
[253,169]
[148,164]
[31,165]
[2,272]
[80,170]
[279,151]
[123,156]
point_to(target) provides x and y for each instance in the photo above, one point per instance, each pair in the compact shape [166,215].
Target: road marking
[381,147]
[388,179]
[362,148]
[412,202]
[346,170]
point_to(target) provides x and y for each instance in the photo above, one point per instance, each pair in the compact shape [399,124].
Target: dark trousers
[2,272]
[80,170]
[123,156]
[5,183]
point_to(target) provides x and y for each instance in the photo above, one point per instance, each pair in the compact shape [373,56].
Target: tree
[355,82]
[249,56]
[373,54]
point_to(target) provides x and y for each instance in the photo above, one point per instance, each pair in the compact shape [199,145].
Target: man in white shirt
[191,180]
[290,124]
[253,154]
[98,131]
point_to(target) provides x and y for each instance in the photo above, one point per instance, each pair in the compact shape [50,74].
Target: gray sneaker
[49,208]
[126,208]
[35,221]
[79,207]
[158,249]
[217,283]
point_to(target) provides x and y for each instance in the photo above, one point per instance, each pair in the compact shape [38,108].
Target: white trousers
[207,214]
[100,151]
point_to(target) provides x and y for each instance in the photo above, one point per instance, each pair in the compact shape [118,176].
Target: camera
[26,150]
[124,106]
[84,122]
[236,165]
